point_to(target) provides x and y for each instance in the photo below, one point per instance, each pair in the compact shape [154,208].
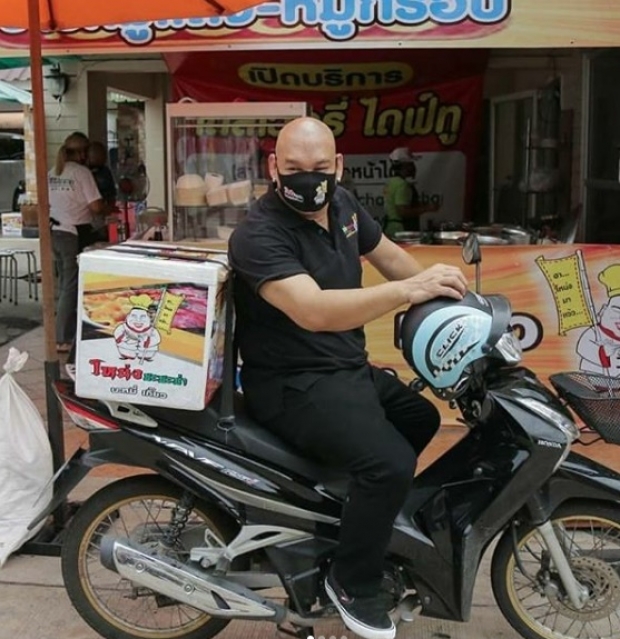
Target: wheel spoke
[143,519]
[538,594]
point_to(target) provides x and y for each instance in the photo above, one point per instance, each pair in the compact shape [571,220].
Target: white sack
[26,466]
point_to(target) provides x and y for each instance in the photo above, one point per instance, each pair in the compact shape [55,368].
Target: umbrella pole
[52,368]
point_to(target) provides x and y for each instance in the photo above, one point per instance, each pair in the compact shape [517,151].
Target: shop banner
[565,302]
[358,23]
[374,102]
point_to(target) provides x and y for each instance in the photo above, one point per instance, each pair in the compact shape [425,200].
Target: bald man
[301,309]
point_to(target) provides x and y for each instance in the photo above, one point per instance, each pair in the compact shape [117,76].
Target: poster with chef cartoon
[598,346]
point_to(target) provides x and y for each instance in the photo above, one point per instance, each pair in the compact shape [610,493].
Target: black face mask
[307,191]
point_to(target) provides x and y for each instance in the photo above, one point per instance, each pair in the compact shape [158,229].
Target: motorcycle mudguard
[72,472]
[581,478]
[67,477]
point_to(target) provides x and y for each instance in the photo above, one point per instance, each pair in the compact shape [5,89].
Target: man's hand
[440,280]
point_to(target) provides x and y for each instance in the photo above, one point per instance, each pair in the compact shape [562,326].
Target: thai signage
[372,108]
[297,23]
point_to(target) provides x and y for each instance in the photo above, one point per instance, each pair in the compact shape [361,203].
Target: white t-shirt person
[70,195]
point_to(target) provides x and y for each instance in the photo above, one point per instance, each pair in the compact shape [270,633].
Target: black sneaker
[365,616]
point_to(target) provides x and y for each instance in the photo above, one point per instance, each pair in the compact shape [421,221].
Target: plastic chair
[33,271]
[9,273]
[8,276]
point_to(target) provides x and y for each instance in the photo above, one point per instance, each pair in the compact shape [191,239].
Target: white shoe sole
[356,626]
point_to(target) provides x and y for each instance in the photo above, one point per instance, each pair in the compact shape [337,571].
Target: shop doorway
[602,181]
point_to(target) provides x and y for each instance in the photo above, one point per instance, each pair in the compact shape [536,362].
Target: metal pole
[54,414]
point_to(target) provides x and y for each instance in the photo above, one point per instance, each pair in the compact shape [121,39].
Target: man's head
[305,166]
[403,162]
[76,146]
[97,154]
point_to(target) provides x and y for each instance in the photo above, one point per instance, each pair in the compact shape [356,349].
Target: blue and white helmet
[442,337]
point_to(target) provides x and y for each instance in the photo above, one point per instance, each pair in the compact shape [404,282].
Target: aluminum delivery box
[151,324]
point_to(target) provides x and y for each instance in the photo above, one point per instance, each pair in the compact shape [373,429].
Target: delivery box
[151,324]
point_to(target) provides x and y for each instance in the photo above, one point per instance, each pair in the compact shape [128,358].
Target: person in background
[74,199]
[18,193]
[301,308]
[402,201]
[97,162]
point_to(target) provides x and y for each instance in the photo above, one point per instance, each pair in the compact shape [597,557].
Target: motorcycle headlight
[509,347]
[561,421]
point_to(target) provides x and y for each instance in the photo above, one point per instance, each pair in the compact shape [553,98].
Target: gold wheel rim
[516,602]
[95,601]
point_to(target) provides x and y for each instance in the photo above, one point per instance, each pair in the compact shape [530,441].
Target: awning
[14,63]
[16,69]
[12,94]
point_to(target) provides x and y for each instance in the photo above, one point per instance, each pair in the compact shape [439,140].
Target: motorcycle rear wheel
[138,508]
[533,600]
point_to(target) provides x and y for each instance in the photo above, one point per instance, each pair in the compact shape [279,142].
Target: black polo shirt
[274,242]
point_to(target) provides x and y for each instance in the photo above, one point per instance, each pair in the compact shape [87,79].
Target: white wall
[62,117]
[84,108]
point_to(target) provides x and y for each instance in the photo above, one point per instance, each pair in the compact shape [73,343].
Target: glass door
[513,121]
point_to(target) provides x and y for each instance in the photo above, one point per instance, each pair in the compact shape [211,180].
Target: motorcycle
[226,511]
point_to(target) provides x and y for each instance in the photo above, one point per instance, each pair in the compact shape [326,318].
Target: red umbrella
[55,15]
[52,15]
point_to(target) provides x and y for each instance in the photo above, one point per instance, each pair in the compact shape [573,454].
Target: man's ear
[273,169]
[339,166]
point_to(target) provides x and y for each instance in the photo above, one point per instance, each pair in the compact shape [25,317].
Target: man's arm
[392,261]
[314,309]
[265,258]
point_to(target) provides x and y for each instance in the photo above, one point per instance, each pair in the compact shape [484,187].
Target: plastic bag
[26,466]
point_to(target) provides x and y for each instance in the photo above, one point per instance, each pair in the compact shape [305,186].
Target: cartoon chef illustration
[136,337]
[599,345]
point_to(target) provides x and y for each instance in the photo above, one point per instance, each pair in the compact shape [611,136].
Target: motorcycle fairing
[580,478]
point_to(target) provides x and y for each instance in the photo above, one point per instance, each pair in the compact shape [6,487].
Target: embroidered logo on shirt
[350,229]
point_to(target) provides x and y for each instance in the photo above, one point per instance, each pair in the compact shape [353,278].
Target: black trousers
[367,422]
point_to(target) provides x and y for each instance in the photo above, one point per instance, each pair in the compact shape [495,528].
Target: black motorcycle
[227,511]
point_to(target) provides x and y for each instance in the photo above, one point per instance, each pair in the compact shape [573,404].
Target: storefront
[496,99]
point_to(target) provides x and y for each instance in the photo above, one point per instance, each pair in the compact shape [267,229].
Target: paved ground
[33,603]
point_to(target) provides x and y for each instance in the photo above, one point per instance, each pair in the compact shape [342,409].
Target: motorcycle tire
[530,593]
[80,562]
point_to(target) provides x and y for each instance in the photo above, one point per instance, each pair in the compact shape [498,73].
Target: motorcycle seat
[253,440]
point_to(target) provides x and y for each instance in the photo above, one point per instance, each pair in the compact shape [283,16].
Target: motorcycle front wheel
[141,509]
[529,591]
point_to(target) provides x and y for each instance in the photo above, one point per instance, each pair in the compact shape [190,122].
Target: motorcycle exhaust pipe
[216,596]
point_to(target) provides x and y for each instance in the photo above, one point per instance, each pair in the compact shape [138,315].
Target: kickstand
[299,632]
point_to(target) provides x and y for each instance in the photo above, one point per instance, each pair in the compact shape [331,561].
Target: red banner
[374,102]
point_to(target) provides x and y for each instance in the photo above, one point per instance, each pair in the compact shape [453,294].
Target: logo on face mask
[291,195]
[321,193]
